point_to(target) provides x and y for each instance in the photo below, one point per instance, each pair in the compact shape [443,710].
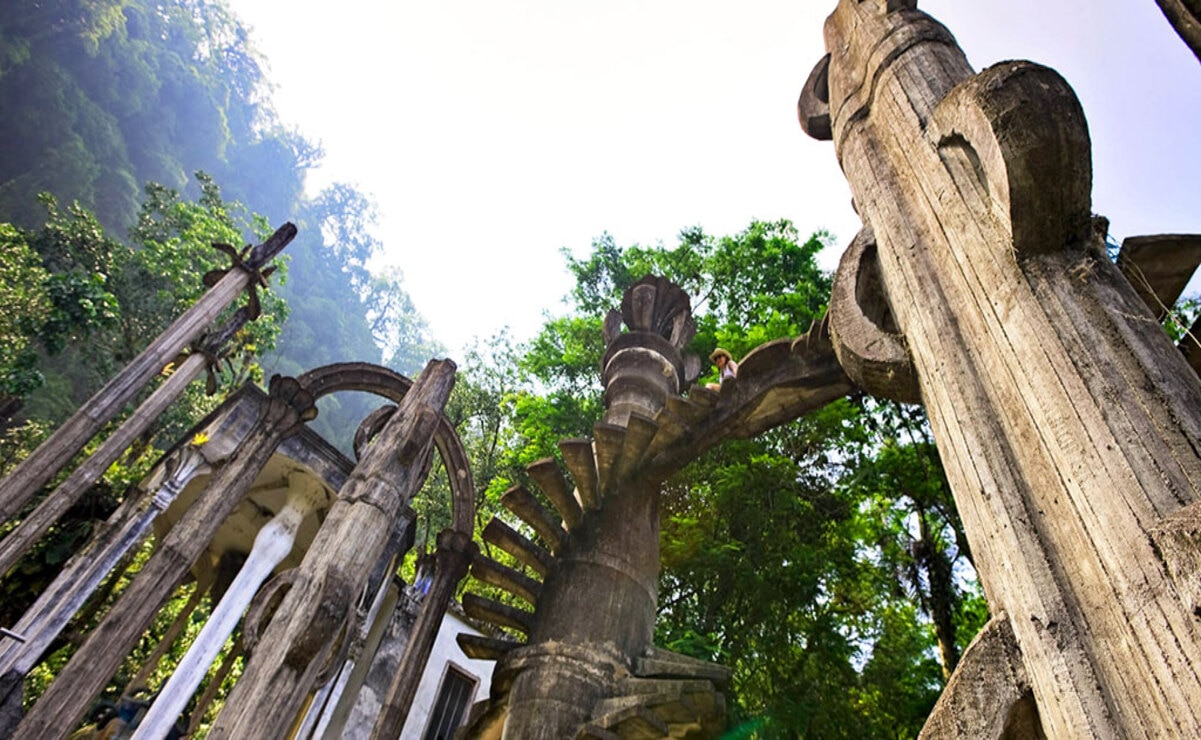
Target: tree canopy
[101,97]
[822,561]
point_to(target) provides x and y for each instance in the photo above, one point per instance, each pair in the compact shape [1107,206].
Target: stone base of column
[554,687]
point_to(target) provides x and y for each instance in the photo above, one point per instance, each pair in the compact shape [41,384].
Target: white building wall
[446,650]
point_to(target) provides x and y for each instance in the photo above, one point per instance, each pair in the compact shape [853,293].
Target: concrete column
[1068,423]
[596,612]
[311,622]
[36,470]
[271,546]
[66,701]
[18,542]
[43,622]
[453,557]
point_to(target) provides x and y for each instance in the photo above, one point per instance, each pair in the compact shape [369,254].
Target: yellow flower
[199,439]
[168,369]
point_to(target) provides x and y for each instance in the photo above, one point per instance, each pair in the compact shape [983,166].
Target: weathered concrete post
[452,559]
[19,486]
[360,712]
[303,635]
[68,493]
[84,572]
[583,644]
[1068,424]
[348,704]
[272,544]
[284,412]
[1185,17]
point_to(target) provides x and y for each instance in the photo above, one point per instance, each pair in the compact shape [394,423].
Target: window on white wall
[450,708]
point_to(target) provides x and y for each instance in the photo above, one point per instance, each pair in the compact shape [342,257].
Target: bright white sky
[491,134]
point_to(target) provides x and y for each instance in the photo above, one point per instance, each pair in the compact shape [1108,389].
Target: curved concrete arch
[381,381]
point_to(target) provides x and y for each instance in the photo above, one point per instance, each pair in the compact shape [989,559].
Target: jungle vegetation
[823,561]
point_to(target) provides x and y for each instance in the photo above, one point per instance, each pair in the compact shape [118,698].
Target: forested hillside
[102,97]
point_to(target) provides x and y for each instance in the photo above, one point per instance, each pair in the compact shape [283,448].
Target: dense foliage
[102,96]
[822,561]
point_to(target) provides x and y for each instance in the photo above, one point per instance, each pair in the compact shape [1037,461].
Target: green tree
[24,307]
[119,296]
[57,290]
[909,516]
[397,328]
[101,96]
[857,545]
[341,310]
